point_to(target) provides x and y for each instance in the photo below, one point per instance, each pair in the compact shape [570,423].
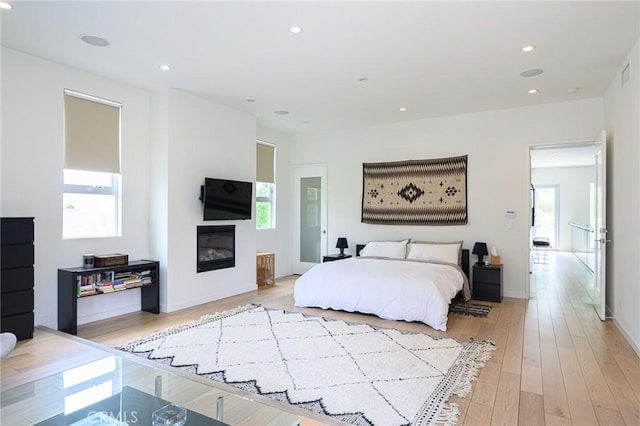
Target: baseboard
[514,294]
[627,336]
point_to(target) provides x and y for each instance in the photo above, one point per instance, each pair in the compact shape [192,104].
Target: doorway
[310,216]
[569,184]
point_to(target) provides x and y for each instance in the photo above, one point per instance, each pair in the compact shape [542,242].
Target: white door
[310,216]
[600,152]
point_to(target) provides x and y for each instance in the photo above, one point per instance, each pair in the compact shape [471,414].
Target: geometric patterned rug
[356,373]
[470,309]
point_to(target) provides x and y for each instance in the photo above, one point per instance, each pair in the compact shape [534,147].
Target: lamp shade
[342,244]
[480,250]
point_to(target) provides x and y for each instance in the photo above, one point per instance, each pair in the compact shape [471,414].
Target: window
[265,205]
[547,213]
[91,204]
[91,199]
[265,186]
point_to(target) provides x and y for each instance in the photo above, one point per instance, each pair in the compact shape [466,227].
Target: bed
[396,280]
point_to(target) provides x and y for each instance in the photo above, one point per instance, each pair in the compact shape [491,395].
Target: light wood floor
[555,362]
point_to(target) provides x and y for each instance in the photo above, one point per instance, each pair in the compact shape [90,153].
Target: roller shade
[92,134]
[265,163]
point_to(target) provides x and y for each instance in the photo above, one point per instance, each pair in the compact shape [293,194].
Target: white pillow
[444,253]
[393,249]
[459,243]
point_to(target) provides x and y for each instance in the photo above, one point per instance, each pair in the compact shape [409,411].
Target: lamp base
[481,263]
[341,253]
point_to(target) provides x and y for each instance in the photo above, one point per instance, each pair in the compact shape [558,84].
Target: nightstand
[487,283]
[332,257]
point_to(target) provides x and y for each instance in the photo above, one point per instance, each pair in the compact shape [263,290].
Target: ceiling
[432,58]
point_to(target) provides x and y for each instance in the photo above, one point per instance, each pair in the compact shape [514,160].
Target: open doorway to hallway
[563,203]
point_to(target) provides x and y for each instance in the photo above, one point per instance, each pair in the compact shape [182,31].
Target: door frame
[298,172]
[576,143]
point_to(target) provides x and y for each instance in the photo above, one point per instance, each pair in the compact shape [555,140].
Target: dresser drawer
[16,279]
[17,302]
[16,230]
[487,292]
[489,276]
[20,325]
[16,256]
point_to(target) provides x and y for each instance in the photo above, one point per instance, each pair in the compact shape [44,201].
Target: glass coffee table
[116,390]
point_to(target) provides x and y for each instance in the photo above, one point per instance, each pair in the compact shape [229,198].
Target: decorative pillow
[436,252]
[393,249]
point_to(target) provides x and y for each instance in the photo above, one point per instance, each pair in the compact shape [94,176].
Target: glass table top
[115,390]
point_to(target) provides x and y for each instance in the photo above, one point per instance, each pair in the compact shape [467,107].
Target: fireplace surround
[216,247]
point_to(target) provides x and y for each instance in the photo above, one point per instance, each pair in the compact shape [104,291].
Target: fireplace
[216,247]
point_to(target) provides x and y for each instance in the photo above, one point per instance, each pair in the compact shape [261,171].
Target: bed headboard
[465,258]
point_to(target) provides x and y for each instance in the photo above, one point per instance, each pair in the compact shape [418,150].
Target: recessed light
[94,40]
[528,49]
[531,73]
[573,90]
[533,91]
[295,29]
[363,79]
[251,101]
[165,67]
[307,122]
[6,6]
[403,109]
[281,112]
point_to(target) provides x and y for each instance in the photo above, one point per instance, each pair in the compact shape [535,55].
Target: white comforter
[389,288]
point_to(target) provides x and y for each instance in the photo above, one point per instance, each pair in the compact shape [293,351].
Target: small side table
[332,257]
[265,268]
[487,283]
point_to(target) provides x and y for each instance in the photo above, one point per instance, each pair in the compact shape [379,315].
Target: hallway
[580,368]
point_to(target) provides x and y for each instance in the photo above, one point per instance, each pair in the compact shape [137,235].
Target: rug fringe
[184,326]
[482,354]
[449,414]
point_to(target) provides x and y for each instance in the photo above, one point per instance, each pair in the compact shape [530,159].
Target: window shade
[92,135]
[265,163]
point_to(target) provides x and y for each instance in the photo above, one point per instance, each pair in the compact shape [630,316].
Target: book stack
[145,276]
[87,290]
[119,281]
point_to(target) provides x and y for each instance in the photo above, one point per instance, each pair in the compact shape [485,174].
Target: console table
[68,290]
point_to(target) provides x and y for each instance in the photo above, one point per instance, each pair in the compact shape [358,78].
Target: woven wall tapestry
[415,192]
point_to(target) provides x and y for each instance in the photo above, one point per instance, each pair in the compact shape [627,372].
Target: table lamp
[342,244]
[480,249]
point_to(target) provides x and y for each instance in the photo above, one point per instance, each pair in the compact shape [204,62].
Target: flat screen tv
[225,199]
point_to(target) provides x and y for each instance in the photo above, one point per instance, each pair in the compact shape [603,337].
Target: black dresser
[16,282]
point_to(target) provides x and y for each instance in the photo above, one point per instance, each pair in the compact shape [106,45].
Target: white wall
[158,194]
[497,143]
[205,140]
[621,106]
[574,190]
[278,240]
[32,175]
